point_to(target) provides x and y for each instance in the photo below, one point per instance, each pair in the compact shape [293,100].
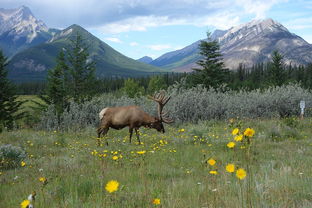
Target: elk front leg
[102,131]
[137,134]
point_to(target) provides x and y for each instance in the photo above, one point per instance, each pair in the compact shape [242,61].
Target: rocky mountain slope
[248,44]
[19,29]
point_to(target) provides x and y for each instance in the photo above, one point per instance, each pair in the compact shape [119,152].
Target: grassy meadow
[174,168]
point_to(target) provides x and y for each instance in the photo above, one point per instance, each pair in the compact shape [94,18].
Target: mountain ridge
[34,62]
[246,44]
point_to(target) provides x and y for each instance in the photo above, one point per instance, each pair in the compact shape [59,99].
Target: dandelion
[249,132]
[211,162]
[241,173]
[112,186]
[115,157]
[156,201]
[141,152]
[23,163]
[213,172]
[230,168]
[231,145]
[25,203]
[238,138]
[43,180]
[235,131]
[182,130]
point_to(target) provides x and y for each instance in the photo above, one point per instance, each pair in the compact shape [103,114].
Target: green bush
[11,156]
[191,105]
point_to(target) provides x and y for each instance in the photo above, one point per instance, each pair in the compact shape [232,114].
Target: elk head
[162,116]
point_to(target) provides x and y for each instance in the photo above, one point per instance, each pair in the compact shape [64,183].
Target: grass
[174,167]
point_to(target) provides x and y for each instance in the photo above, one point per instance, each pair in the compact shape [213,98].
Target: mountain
[248,44]
[145,59]
[34,62]
[19,29]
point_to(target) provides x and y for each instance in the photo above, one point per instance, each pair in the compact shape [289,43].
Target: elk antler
[162,101]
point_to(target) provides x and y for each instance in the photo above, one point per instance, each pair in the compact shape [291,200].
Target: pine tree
[155,84]
[57,79]
[132,88]
[8,100]
[277,73]
[211,72]
[81,71]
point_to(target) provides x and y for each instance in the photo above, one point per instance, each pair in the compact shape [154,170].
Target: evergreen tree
[8,99]
[211,72]
[56,92]
[81,71]
[155,84]
[277,74]
[132,88]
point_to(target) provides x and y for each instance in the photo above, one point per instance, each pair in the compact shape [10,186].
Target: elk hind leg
[130,133]
[137,134]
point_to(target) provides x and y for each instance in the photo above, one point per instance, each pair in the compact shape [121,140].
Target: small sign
[302,104]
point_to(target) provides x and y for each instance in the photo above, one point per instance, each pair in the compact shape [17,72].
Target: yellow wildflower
[213,172]
[230,168]
[156,201]
[115,157]
[25,203]
[235,131]
[231,145]
[141,152]
[182,130]
[249,132]
[23,163]
[43,180]
[241,173]
[238,138]
[112,186]
[211,162]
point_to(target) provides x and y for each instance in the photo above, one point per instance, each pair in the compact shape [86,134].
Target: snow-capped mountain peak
[251,29]
[20,22]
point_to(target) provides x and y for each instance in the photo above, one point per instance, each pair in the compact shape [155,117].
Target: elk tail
[101,114]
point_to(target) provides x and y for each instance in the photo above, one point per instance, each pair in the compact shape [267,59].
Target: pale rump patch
[101,114]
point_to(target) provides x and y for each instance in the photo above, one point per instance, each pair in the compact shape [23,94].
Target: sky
[138,28]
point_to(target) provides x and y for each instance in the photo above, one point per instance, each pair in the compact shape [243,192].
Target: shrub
[191,105]
[11,156]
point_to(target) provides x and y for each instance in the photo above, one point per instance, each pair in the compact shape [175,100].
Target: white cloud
[133,44]
[299,23]
[257,7]
[113,39]
[115,16]
[159,47]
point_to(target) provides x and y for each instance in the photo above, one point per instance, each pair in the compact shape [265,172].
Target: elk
[134,117]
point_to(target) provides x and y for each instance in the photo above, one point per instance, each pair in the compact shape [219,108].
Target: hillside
[33,63]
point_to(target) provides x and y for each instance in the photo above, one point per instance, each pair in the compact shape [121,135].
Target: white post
[302,106]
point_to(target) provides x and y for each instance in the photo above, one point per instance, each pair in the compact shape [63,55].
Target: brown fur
[132,116]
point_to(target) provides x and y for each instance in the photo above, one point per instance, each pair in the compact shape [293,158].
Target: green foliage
[156,83]
[81,71]
[11,156]
[132,88]
[9,105]
[277,74]
[57,87]
[211,72]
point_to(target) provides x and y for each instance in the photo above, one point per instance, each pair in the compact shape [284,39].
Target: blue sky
[153,27]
